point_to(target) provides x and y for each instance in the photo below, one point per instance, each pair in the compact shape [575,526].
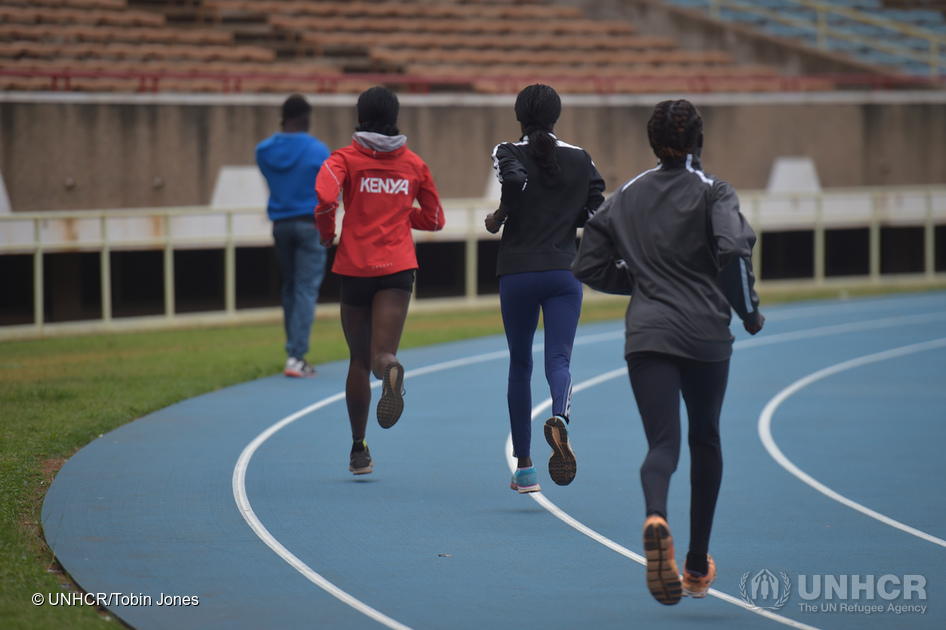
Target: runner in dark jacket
[673,237]
[549,189]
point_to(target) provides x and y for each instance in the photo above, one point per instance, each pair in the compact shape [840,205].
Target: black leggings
[658,380]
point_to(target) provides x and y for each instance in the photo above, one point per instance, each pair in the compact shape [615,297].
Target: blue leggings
[558,294]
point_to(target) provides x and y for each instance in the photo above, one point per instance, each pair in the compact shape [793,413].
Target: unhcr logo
[898,594]
[765,590]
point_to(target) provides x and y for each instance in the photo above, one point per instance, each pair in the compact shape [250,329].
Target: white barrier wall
[149,228]
[173,229]
[4,198]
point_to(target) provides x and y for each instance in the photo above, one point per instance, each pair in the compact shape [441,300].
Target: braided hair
[674,130]
[377,111]
[538,108]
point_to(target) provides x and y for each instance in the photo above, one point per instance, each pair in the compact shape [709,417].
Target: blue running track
[831,513]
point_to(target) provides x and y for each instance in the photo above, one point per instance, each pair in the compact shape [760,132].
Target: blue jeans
[521,295]
[302,263]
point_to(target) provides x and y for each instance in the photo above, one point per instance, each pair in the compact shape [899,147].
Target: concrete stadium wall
[81,151]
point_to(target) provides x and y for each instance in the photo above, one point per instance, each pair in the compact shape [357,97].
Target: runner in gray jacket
[673,237]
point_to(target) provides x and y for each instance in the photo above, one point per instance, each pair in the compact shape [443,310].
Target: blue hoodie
[290,162]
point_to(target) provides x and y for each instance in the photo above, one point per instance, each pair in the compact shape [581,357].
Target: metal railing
[173,229]
[181,228]
[871,208]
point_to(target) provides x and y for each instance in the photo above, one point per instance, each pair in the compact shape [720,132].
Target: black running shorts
[357,291]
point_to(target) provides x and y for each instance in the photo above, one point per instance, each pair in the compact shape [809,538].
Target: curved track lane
[242,497]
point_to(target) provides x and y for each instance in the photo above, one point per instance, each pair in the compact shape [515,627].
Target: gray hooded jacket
[673,237]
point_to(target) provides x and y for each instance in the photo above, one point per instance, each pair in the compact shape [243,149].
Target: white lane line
[246,510]
[856,307]
[566,518]
[796,335]
[824,331]
[765,431]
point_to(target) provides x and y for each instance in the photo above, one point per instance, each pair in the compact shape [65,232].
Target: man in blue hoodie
[289,160]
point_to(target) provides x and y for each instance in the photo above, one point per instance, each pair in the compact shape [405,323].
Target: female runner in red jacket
[378,178]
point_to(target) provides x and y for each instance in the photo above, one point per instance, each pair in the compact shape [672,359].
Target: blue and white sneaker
[525,480]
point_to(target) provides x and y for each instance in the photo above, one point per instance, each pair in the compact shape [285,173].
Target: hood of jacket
[379,144]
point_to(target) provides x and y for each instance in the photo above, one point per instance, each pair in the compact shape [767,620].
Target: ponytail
[538,108]
[542,147]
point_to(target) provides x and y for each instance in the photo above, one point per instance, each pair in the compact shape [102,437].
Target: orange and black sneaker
[697,584]
[663,578]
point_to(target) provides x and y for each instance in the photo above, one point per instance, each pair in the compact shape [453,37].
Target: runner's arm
[429,216]
[328,187]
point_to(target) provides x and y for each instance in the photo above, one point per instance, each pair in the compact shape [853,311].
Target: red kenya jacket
[378,178]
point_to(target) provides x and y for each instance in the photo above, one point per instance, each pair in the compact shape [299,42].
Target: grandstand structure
[118,119]
[311,46]
[906,36]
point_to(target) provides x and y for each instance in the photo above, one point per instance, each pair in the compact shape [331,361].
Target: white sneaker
[299,368]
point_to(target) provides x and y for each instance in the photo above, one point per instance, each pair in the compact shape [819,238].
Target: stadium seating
[335,45]
[892,34]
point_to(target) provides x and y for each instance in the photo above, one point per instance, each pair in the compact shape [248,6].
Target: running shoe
[562,464]
[525,480]
[391,404]
[663,578]
[299,368]
[361,463]
[697,584]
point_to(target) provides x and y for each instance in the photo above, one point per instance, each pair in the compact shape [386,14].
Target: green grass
[57,395]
